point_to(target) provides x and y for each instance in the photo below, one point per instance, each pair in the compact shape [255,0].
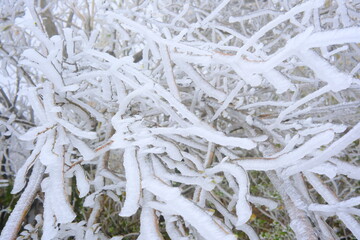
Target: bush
[180,119]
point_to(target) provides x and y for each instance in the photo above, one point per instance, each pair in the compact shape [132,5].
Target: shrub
[180,119]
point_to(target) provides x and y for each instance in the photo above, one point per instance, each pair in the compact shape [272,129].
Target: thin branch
[19,121]
[6,99]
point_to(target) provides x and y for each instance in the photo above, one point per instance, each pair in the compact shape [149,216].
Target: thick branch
[300,223]
[22,207]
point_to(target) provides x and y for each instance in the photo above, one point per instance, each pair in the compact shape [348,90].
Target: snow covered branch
[182,119]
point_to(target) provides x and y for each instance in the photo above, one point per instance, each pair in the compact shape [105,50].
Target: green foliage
[275,231]
[7,203]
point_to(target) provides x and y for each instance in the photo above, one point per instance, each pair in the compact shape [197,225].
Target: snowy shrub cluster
[194,119]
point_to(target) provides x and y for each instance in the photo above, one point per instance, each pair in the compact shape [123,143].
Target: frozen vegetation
[193,119]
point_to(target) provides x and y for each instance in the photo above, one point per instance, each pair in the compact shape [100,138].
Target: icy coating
[182,119]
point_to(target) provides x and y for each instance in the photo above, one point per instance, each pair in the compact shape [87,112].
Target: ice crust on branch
[201,119]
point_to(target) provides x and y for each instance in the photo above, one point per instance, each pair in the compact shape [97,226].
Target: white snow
[20,179]
[83,148]
[133,186]
[82,183]
[243,208]
[209,135]
[200,82]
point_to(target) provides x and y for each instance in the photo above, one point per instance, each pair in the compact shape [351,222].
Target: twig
[19,121]
[5,97]
[16,64]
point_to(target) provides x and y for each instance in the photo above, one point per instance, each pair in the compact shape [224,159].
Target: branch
[300,223]
[22,207]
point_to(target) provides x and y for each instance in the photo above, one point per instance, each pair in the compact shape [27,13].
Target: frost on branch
[180,119]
